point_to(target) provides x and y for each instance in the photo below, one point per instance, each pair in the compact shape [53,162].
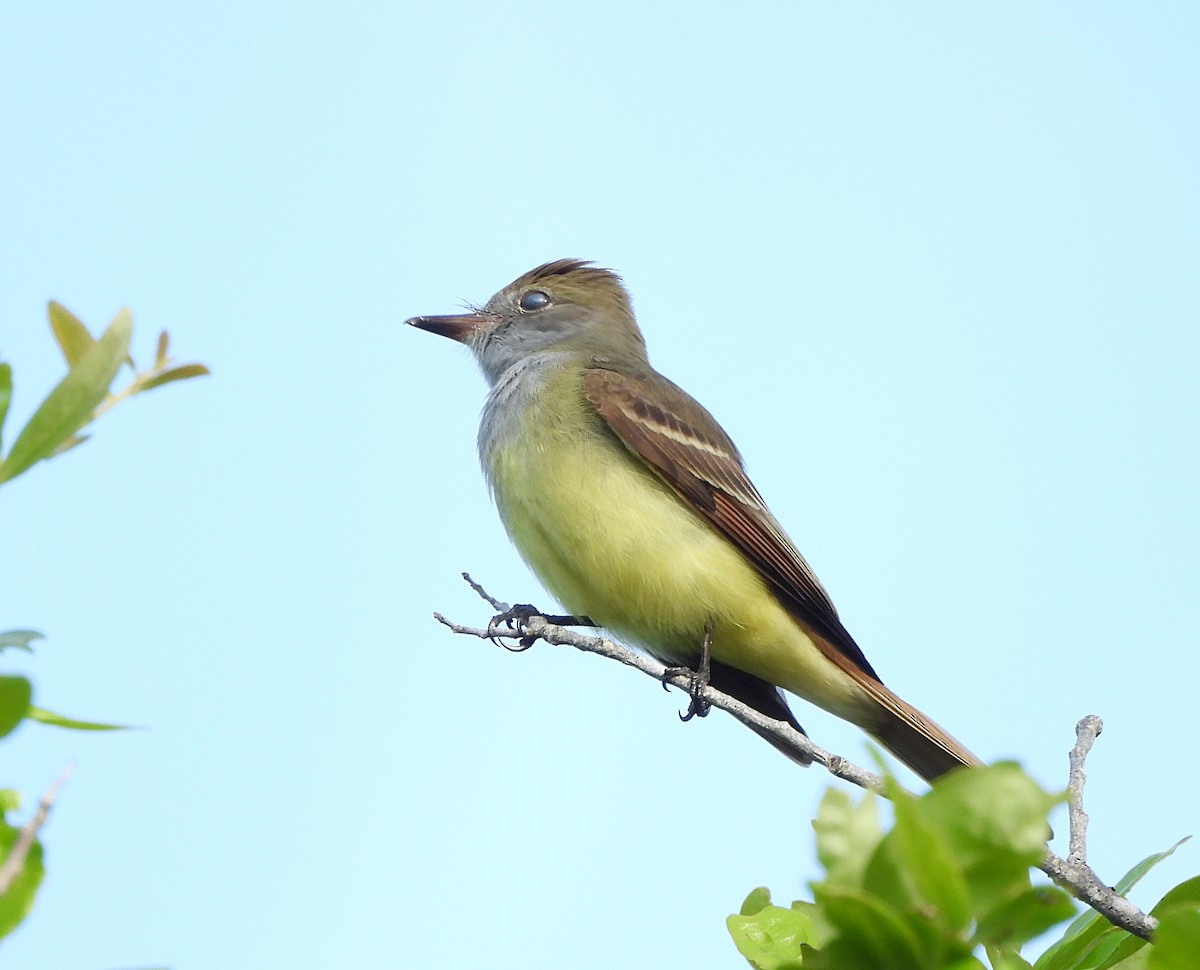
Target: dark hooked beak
[459,327]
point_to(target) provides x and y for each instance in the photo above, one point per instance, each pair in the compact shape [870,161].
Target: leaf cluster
[83,395]
[948,887]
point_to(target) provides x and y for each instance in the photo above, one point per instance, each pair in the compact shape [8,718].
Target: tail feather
[919,742]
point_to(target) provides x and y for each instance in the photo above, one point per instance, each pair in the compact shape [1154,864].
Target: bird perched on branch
[633,507]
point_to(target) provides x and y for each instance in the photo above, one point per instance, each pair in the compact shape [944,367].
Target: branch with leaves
[83,395]
[1116,923]
[57,425]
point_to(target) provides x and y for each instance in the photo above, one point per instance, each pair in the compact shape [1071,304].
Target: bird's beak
[459,327]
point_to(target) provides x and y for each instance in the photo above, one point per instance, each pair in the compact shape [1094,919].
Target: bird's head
[567,306]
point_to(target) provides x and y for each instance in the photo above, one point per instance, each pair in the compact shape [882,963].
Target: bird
[633,507]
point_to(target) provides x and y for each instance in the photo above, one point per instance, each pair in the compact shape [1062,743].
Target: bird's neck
[519,392]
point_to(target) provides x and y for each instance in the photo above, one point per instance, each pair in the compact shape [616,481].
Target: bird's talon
[697,680]
[512,624]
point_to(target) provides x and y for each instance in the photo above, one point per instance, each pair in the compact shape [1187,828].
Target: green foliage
[15,694]
[16,903]
[16,699]
[55,427]
[949,886]
[1177,944]
[83,395]
[5,396]
[70,405]
[43,716]
[773,938]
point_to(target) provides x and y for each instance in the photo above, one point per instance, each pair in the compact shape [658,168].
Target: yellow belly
[611,541]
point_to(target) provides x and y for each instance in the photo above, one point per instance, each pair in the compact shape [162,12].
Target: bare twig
[498,605]
[537,627]
[1086,731]
[1072,874]
[28,835]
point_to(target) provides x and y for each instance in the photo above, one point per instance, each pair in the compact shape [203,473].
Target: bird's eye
[533,300]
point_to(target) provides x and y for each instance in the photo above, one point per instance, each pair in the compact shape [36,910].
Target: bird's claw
[511,623]
[697,680]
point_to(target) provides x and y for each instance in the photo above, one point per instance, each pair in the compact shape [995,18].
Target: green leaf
[1004,806]
[1025,916]
[846,836]
[58,720]
[1003,958]
[1100,945]
[1094,943]
[1081,923]
[1104,957]
[1176,942]
[16,903]
[870,933]
[10,799]
[72,336]
[19,640]
[1186,894]
[161,348]
[181,373]
[72,442]
[1138,959]
[772,937]
[759,899]
[993,820]
[931,874]
[70,404]
[1077,939]
[15,695]
[1134,875]
[5,398]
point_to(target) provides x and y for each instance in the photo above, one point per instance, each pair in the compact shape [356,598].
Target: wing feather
[686,447]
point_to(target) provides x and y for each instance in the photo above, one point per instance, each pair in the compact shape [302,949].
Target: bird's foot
[697,679]
[512,623]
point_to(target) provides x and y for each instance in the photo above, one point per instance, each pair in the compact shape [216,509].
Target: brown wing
[683,443]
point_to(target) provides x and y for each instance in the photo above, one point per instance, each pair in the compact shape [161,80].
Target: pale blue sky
[933,267]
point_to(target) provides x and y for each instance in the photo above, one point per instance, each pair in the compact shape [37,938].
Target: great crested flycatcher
[632,506]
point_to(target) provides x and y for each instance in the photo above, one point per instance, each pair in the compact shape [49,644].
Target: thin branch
[1086,732]
[1074,875]
[503,609]
[539,627]
[28,835]
[483,594]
